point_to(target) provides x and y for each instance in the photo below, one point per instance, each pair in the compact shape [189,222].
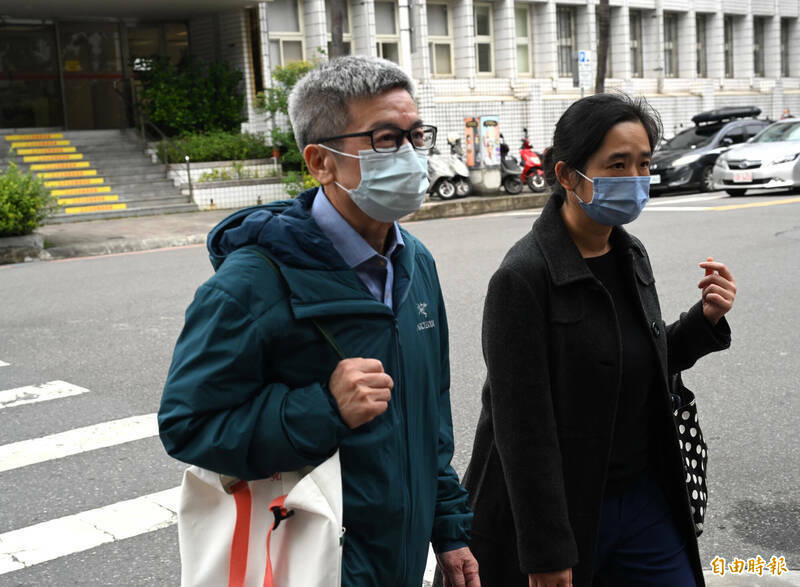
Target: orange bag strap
[241,534]
[280,513]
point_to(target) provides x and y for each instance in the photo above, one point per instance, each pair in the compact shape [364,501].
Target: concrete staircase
[94,174]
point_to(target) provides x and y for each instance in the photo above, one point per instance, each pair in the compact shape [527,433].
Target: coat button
[656,329]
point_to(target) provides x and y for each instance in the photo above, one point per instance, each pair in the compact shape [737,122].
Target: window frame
[701,42]
[671,57]
[483,39]
[785,41]
[287,36]
[382,38]
[434,40]
[759,63]
[636,42]
[727,46]
[562,9]
[523,41]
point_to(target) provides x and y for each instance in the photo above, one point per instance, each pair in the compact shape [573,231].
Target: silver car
[770,160]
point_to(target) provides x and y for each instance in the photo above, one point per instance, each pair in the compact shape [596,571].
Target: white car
[770,160]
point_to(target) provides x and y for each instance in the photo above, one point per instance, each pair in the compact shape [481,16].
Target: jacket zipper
[398,387]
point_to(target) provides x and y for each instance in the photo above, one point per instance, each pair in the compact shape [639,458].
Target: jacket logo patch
[422,310]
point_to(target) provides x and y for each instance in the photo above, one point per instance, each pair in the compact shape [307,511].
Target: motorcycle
[510,171]
[532,168]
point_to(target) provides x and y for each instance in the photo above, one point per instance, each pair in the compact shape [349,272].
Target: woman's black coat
[553,352]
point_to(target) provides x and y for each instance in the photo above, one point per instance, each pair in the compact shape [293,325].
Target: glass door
[30,93]
[91,59]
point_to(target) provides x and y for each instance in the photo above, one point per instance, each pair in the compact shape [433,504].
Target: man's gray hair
[318,104]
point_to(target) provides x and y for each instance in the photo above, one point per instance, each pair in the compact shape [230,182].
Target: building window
[785,30]
[483,38]
[759,25]
[284,26]
[635,17]
[566,40]
[440,39]
[386,32]
[522,18]
[347,38]
[700,27]
[728,43]
[670,44]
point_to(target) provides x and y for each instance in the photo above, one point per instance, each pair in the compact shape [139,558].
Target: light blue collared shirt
[374,270]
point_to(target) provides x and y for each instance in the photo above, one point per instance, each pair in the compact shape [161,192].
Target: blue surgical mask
[392,184]
[616,200]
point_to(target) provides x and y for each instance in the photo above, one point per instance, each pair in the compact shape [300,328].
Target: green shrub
[193,96]
[215,146]
[24,202]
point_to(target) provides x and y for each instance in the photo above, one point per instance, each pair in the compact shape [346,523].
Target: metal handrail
[143,121]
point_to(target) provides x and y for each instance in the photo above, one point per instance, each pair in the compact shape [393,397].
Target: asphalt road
[108,325]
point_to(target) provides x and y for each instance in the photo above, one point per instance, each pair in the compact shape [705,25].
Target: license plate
[743,177]
[655,179]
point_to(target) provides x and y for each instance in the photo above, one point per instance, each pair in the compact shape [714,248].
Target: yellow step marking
[46,151]
[101,208]
[75,165]
[87,200]
[39,144]
[34,137]
[62,183]
[38,158]
[78,191]
[756,204]
[67,173]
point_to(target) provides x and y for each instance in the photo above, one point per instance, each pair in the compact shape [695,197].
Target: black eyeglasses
[388,139]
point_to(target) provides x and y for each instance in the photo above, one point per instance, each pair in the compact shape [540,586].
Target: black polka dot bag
[693,449]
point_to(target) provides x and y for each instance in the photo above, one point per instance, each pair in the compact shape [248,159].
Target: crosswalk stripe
[53,539]
[2,364]
[71,442]
[31,394]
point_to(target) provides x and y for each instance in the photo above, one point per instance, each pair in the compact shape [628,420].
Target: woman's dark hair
[583,127]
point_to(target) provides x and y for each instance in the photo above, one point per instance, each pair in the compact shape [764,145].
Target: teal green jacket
[247,393]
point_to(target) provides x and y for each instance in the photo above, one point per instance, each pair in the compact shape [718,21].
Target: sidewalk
[103,237]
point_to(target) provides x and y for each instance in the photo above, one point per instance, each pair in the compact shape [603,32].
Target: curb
[31,247]
[111,247]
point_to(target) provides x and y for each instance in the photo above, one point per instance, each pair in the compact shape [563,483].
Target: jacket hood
[285,229]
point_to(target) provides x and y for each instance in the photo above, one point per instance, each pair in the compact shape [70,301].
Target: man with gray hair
[254,388]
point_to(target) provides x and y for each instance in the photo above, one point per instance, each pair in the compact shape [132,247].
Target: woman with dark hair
[576,477]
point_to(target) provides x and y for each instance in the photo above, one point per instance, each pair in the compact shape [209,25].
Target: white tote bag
[229,535]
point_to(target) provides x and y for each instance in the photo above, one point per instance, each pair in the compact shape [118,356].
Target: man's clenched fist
[361,389]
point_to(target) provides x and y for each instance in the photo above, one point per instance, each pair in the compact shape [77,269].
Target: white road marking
[71,442]
[2,364]
[31,394]
[678,209]
[682,199]
[49,540]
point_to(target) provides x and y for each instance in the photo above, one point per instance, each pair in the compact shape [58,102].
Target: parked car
[771,160]
[686,161]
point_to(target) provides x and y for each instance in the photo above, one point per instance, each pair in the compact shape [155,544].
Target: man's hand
[361,389]
[719,290]
[554,579]
[459,568]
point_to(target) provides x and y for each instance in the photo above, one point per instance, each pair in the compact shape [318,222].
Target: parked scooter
[532,167]
[510,170]
[448,174]
[440,175]
[459,167]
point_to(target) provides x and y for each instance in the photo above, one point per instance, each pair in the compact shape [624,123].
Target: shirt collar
[348,243]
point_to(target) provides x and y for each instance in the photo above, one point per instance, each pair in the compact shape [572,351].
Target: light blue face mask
[392,184]
[616,200]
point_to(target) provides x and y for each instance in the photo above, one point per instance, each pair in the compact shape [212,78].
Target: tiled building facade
[510,58]
[515,59]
